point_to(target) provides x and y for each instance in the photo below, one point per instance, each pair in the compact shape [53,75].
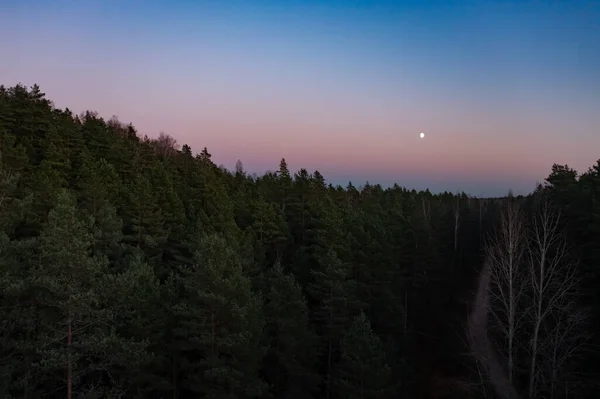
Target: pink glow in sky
[347,99]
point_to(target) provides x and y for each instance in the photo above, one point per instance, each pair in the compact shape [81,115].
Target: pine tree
[220,326]
[15,321]
[291,360]
[362,372]
[285,183]
[143,219]
[134,294]
[333,291]
[173,212]
[75,340]
[97,183]
[271,232]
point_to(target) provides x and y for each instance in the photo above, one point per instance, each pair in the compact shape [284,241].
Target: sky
[502,89]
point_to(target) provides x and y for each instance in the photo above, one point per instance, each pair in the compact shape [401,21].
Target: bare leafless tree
[565,340]
[483,204]
[426,208]
[554,317]
[528,280]
[165,145]
[456,220]
[505,252]
[117,126]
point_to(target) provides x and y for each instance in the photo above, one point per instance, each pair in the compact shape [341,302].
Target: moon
[422,135]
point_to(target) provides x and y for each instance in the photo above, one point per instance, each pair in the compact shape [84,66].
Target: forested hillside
[132,268]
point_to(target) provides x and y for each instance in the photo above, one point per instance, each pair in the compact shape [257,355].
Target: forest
[133,267]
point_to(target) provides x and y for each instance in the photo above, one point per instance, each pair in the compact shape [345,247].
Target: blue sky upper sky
[503,89]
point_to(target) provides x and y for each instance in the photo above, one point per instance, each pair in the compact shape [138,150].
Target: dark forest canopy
[130,267]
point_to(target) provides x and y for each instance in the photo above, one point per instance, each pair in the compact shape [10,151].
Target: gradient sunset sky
[502,89]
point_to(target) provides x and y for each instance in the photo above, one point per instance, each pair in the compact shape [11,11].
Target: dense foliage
[132,268]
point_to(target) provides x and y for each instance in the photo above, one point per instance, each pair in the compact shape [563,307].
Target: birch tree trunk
[505,253]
